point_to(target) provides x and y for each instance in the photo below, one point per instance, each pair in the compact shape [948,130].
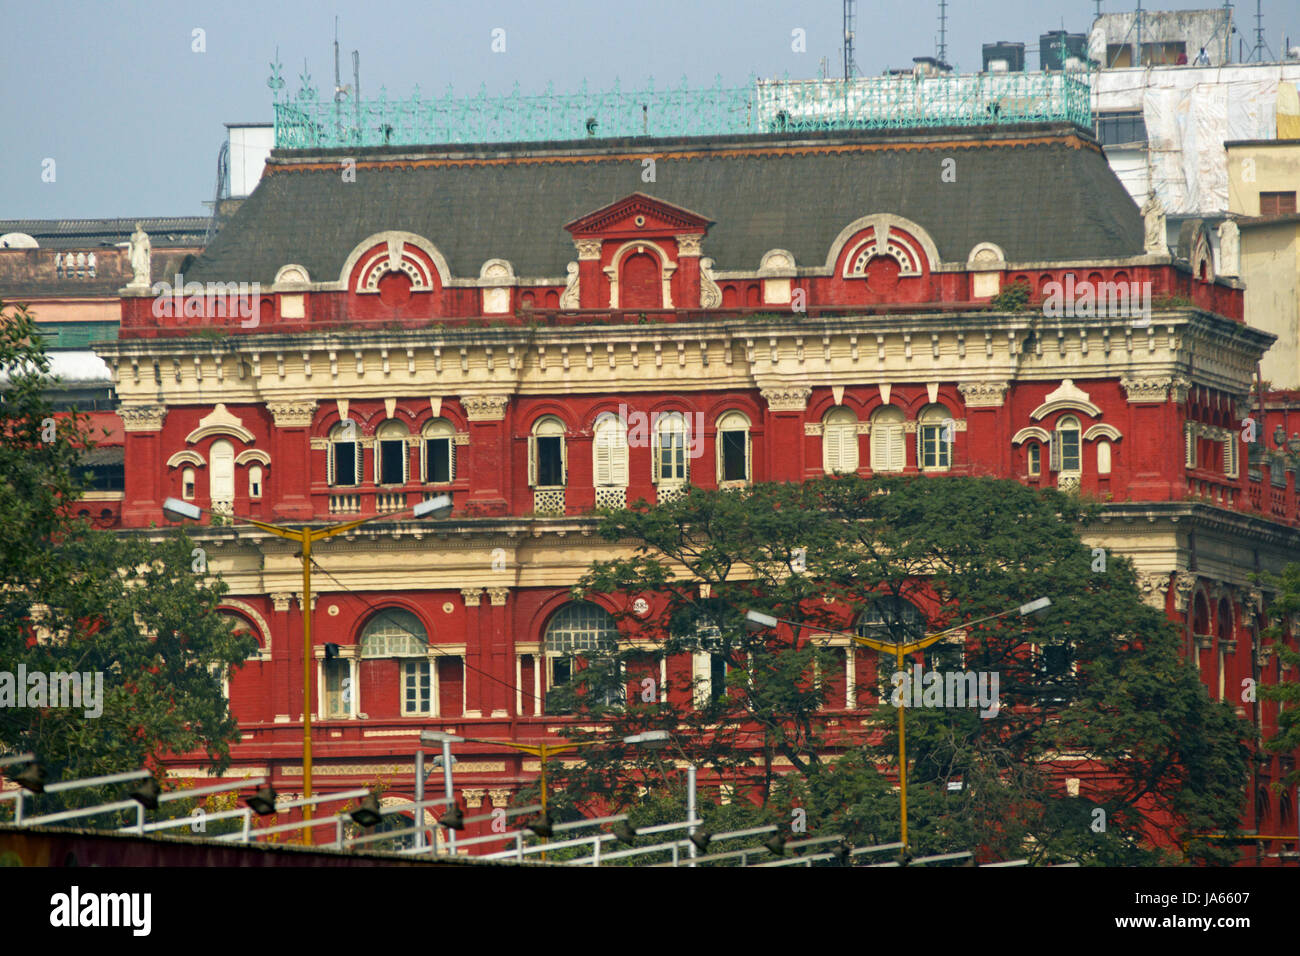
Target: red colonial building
[460,319]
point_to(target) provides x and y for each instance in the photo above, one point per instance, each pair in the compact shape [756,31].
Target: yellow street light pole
[900,650]
[439,507]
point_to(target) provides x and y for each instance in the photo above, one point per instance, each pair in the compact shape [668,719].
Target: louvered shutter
[656,455]
[832,448]
[330,452]
[604,473]
[451,458]
[1055,451]
[532,460]
[619,456]
[749,473]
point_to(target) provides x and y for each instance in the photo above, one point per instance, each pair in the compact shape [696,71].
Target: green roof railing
[902,101]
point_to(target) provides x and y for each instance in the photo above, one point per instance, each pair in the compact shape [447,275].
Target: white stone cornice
[1145,390]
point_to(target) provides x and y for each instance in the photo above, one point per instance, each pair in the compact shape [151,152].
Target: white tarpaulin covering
[1190,113]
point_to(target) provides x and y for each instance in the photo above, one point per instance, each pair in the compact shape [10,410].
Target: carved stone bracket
[1147,389]
[1184,585]
[142,418]
[485,408]
[787,398]
[813,428]
[984,394]
[292,414]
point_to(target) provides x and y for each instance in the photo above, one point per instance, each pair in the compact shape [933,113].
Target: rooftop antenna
[1257,54]
[943,32]
[850,21]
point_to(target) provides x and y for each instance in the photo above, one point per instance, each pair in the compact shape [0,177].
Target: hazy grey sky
[113,92]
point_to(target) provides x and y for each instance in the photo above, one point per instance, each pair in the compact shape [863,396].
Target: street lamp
[438,507]
[757,620]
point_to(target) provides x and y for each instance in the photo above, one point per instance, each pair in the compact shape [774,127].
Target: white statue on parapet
[1153,220]
[140,254]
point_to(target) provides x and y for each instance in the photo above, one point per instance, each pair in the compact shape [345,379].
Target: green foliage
[1013,298]
[1284,610]
[1113,695]
[77,599]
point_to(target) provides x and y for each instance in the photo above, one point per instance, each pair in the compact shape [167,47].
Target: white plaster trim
[1068,396]
[1032,431]
[187,457]
[258,621]
[382,238]
[220,422]
[1102,431]
[886,220]
[252,454]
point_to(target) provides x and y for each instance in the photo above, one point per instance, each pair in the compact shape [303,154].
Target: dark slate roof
[1041,192]
[85,234]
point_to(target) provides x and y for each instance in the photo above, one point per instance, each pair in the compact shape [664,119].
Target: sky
[131,113]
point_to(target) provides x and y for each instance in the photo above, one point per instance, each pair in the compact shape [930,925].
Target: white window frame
[189,484]
[675,424]
[392,432]
[930,423]
[431,676]
[1034,459]
[352,708]
[437,430]
[255,482]
[1105,457]
[888,440]
[1067,423]
[732,422]
[548,426]
[336,439]
[840,452]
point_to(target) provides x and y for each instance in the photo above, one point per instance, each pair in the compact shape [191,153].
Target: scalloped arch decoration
[889,235]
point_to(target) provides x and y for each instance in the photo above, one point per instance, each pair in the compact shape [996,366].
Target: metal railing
[905,101]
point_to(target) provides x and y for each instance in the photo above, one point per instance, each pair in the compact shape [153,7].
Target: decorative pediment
[638,215]
[220,422]
[1068,396]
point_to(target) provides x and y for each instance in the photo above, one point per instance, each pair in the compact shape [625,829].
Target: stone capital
[499,797]
[1147,389]
[497,596]
[280,600]
[689,245]
[485,408]
[588,248]
[292,414]
[1154,586]
[472,597]
[983,394]
[298,597]
[142,418]
[787,398]
[1184,584]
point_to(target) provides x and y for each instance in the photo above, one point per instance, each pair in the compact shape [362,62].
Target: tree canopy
[126,612]
[1104,747]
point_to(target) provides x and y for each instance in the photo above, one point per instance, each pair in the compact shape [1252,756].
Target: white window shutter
[717,448]
[702,678]
[749,473]
[329,462]
[920,446]
[564,461]
[406,461]
[620,456]
[656,456]
[1056,451]
[451,458]
[532,460]
[831,451]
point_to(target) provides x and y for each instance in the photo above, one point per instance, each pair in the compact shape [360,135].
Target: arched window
[439,459]
[221,461]
[574,628]
[609,452]
[255,481]
[395,633]
[888,448]
[934,438]
[391,459]
[1066,455]
[671,464]
[187,484]
[840,442]
[344,462]
[733,449]
[1103,458]
[547,461]
[891,619]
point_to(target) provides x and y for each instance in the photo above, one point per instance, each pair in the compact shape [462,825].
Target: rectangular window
[717,676]
[672,456]
[451,686]
[550,461]
[338,688]
[1189,451]
[392,462]
[1230,454]
[1121,126]
[439,455]
[935,452]
[1071,460]
[1035,460]
[343,458]
[734,455]
[417,688]
[1277,204]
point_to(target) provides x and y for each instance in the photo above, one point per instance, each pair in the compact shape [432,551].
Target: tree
[1283,613]
[1104,746]
[126,612]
